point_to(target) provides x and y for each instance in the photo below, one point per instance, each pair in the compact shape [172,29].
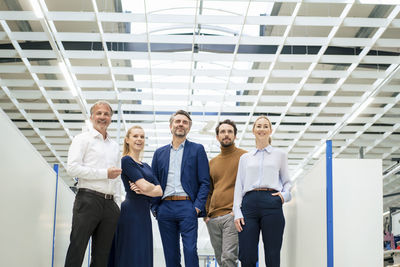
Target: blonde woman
[262,186]
[133,240]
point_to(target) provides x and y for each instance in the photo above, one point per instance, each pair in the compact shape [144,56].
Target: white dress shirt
[266,168]
[89,157]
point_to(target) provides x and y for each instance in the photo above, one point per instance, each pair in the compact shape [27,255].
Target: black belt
[105,196]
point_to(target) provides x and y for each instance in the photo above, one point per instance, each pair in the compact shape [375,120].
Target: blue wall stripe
[55,167]
[258,252]
[329,204]
[89,252]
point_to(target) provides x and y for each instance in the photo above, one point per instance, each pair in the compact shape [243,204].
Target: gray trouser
[224,239]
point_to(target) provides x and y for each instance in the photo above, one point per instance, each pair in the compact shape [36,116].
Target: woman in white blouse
[262,186]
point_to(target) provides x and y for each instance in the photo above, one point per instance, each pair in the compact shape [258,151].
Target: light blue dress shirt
[265,168]
[174,186]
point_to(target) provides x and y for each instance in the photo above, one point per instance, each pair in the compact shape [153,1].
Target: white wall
[65,201]
[357,212]
[357,216]
[396,223]
[27,201]
[27,195]
[304,242]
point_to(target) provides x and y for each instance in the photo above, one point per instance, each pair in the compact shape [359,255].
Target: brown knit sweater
[223,170]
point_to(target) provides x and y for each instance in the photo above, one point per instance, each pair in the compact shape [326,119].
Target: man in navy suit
[183,171]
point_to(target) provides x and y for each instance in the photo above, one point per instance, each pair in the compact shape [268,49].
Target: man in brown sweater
[220,220]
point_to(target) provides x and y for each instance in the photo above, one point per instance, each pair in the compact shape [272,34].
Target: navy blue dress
[133,239]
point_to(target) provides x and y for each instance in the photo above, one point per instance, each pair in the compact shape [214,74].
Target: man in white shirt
[94,159]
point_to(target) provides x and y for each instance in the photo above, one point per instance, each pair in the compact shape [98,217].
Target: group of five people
[238,193]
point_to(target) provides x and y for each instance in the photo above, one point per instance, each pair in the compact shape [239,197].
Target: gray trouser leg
[224,239]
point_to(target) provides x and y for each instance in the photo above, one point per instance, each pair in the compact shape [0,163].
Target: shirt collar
[97,134]
[181,146]
[268,149]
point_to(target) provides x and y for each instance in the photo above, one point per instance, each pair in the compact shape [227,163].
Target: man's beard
[180,133]
[226,144]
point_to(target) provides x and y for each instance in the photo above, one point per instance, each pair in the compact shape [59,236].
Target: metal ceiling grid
[310,66]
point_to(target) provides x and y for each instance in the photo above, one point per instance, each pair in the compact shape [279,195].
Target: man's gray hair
[101,102]
[180,112]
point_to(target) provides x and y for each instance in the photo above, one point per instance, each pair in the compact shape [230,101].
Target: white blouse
[266,168]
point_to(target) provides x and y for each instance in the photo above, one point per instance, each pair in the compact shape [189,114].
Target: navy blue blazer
[195,173]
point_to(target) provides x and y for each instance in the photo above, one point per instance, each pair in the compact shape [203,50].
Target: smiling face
[226,135]
[180,126]
[135,140]
[262,129]
[101,117]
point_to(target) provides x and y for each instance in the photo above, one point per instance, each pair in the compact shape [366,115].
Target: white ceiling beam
[381,59]
[198,72]
[13,69]
[76,16]
[48,54]
[202,19]
[338,59]
[28,36]
[3,36]
[46,116]
[389,120]
[351,42]
[386,42]
[364,22]
[17,15]
[69,106]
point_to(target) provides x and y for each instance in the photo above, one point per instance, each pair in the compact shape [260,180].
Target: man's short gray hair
[101,102]
[180,112]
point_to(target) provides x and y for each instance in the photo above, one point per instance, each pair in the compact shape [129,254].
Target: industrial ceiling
[321,70]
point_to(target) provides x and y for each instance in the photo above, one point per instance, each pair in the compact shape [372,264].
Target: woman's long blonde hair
[269,123]
[126,150]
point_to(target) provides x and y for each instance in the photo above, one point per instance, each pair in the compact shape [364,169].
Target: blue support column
[55,167]
[89,252]
[119,121]
[258,254]
[329,203]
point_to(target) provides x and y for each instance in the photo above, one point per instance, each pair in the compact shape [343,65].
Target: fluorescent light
[36,8]
[68,78]
[391,172]
[319,151]
[386,213]
[360,109]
